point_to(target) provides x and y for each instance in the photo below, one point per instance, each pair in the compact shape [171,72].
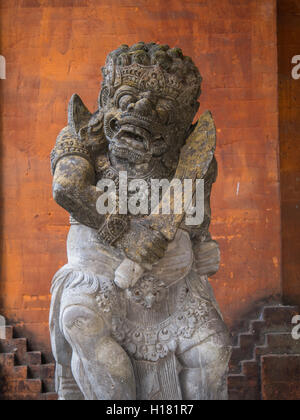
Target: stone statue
[133,315]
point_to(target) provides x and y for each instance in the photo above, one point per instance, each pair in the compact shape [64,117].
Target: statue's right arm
[74,180]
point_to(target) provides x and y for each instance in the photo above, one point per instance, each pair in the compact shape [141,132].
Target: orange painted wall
[54,48]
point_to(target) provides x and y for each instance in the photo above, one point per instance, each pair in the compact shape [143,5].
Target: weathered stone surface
[132,316]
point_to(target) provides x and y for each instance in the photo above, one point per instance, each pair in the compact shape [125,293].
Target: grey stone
[133,315]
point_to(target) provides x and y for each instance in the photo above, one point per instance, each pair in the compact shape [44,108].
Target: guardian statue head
[149,97]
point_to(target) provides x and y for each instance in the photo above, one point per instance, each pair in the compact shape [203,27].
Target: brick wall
[55,48]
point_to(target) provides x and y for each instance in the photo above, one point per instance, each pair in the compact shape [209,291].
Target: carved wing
[198,152]
[78,114]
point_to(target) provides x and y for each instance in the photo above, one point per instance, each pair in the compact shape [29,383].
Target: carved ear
[78,114]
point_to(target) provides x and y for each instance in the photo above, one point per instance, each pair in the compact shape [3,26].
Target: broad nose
[142,107]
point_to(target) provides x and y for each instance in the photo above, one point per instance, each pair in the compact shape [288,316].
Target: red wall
[55,48]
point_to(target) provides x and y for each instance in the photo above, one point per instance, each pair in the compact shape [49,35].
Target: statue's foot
[67,388]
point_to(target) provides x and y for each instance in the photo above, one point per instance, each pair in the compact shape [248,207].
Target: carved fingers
[143,244]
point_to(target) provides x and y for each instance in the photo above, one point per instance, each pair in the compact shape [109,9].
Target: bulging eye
[163,115]
[124,101]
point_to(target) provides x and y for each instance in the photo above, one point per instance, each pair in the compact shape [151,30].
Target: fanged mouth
[132,140]
[126,153]
[136,138]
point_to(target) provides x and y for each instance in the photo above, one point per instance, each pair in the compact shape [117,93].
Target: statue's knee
[213,353]
[78,321]
[217,351]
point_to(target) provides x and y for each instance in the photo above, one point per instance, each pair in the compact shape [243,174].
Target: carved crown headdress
[152,67]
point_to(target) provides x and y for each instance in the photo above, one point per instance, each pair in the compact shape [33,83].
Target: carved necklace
[156,172]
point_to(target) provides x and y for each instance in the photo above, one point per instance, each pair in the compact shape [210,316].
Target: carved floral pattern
[152,343]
